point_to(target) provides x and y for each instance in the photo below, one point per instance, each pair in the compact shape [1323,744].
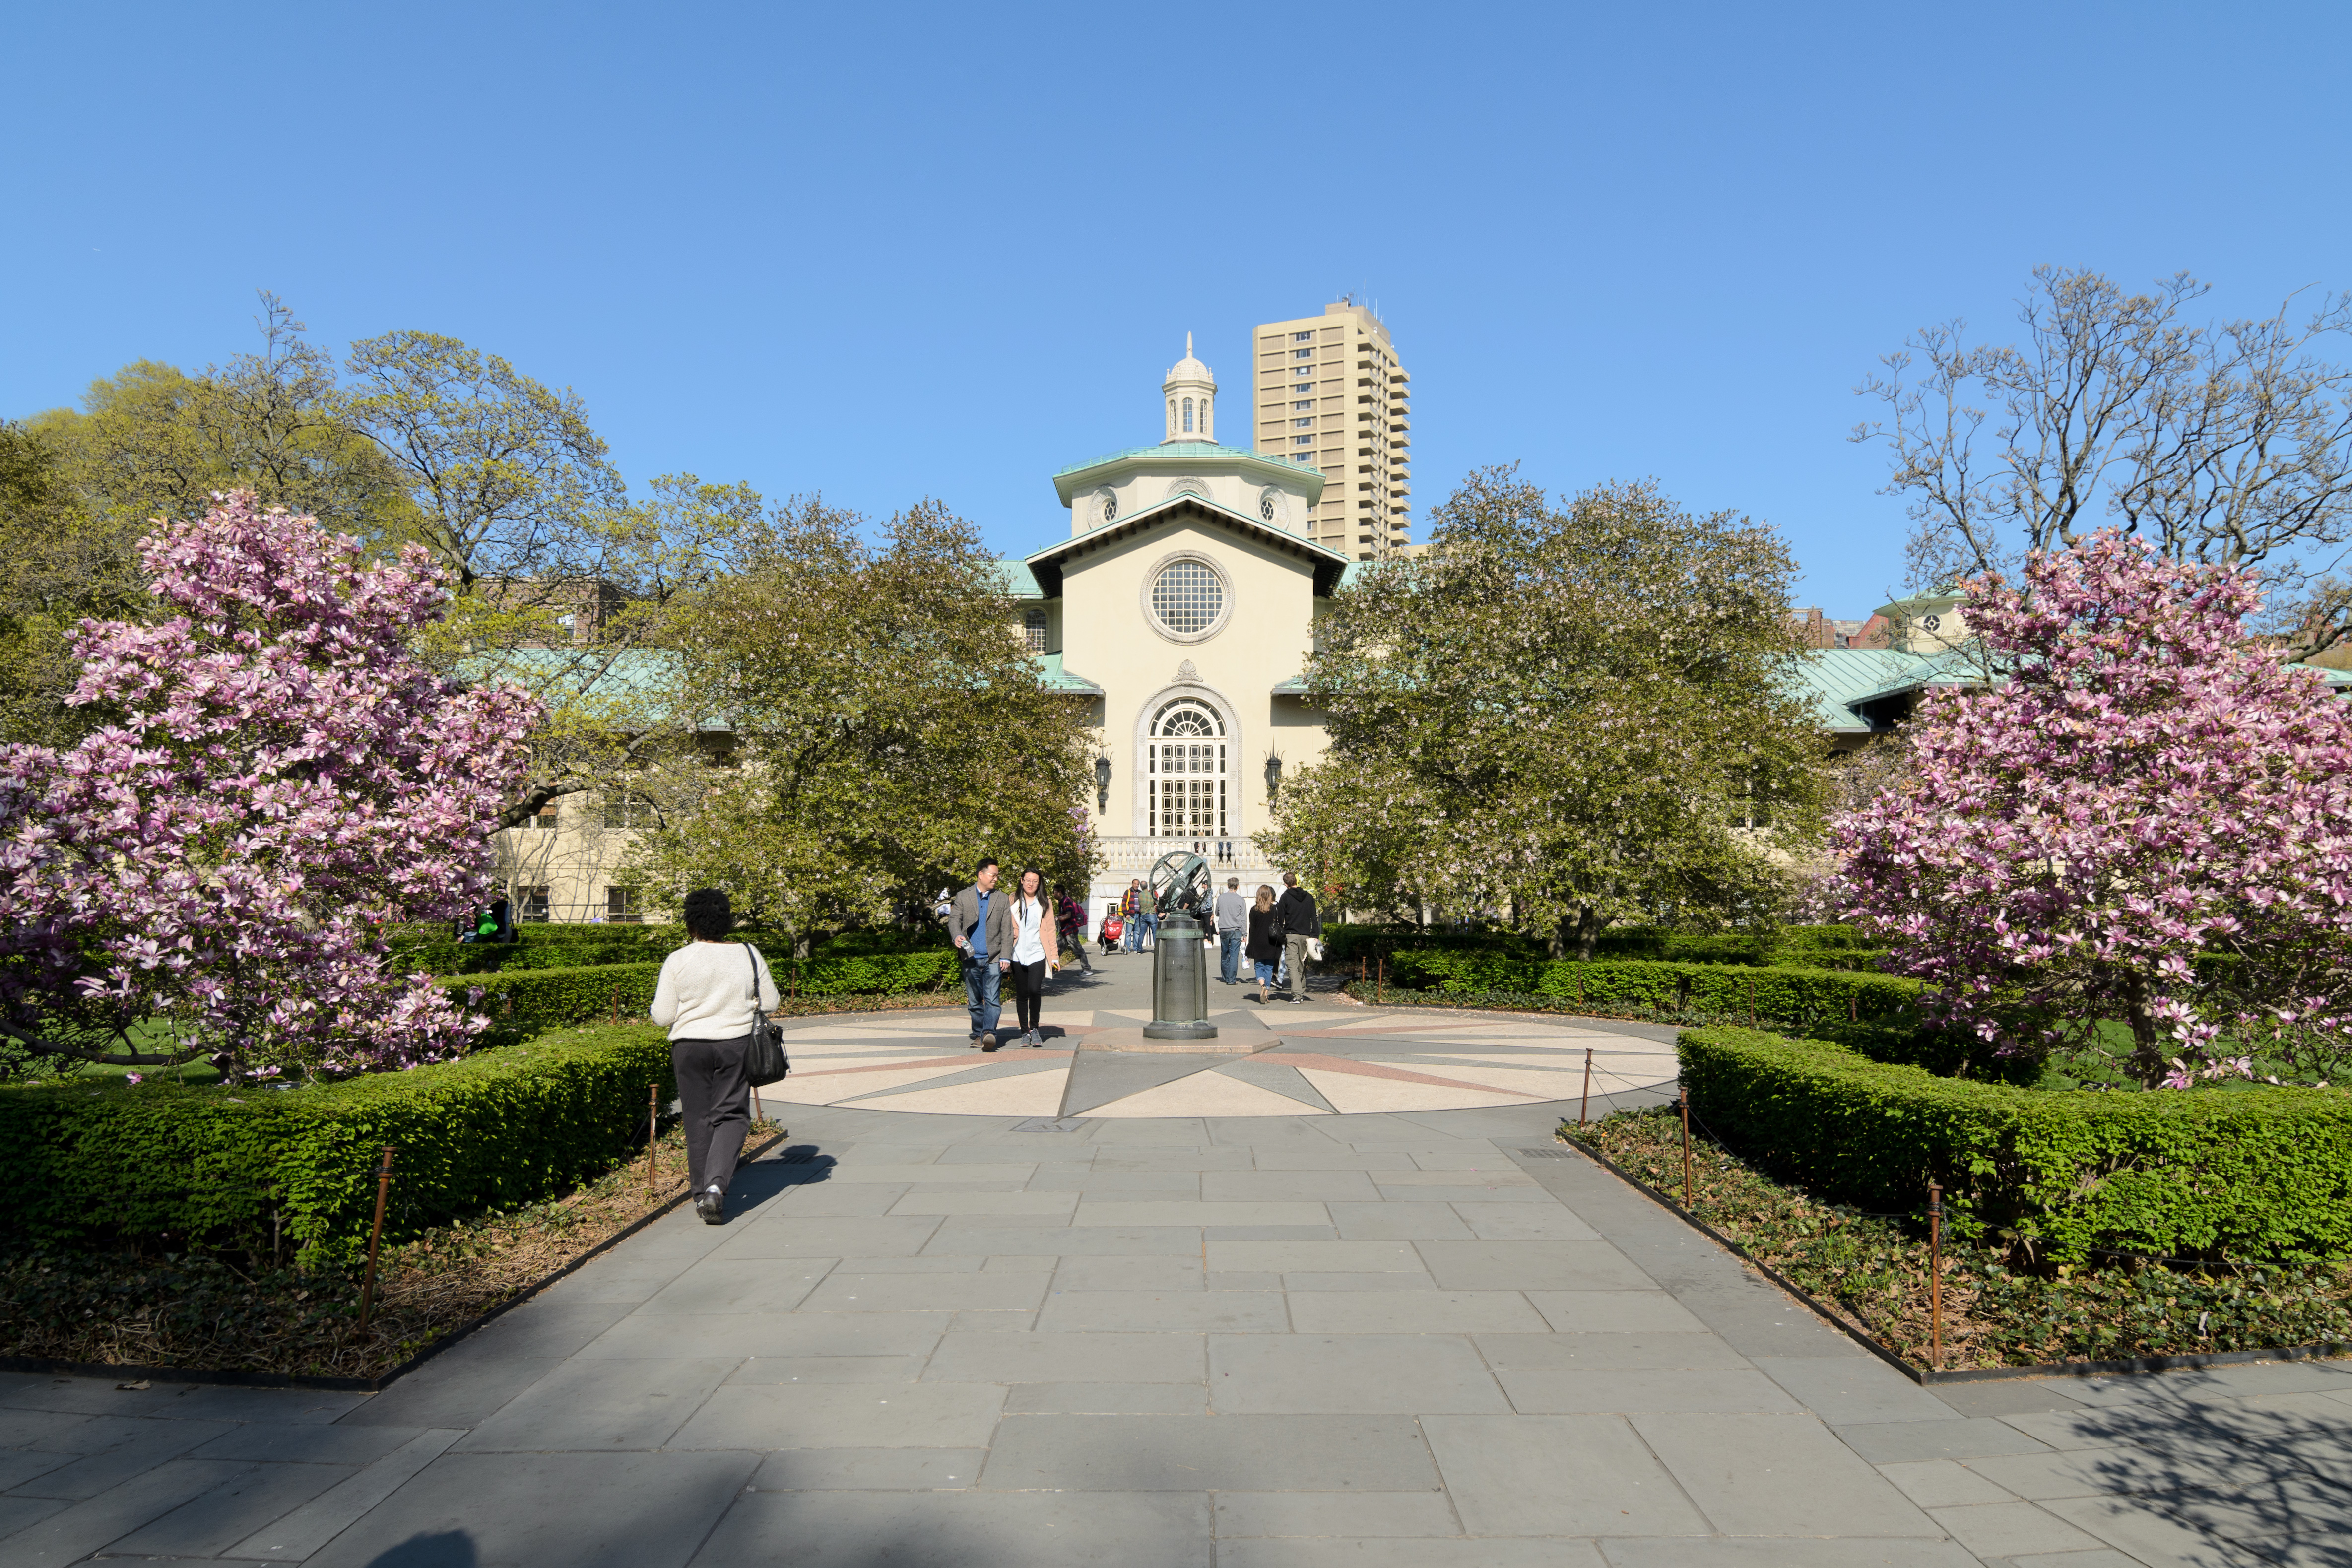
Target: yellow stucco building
[1184,604]
[1180,604]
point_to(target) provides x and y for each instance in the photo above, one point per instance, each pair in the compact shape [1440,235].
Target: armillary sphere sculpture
[1181,884]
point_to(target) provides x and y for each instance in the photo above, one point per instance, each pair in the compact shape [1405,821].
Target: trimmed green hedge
[1782,992]
[851,975]
[523,1001]
[833,964]
[80,1161]
[1345,943]
[2242,1174]
[1819,947]
[527,1001]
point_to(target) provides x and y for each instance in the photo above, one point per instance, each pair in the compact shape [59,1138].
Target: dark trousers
[1028,993]
[716,1098]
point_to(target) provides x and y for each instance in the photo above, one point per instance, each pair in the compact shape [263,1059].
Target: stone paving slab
[1257,1342]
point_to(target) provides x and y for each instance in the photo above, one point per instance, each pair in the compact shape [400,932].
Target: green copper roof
[1194,450]
[1018,580]
[1178,456]
[1055,678]
[1833,679]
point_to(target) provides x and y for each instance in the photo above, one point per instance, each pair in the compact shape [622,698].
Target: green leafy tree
[152,441]
[1570,716]
[55,568]
[564,586]
[891,728]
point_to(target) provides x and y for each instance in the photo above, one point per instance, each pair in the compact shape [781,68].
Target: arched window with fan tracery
[1188,771]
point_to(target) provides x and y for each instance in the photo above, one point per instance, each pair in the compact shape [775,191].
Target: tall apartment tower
[1331,395]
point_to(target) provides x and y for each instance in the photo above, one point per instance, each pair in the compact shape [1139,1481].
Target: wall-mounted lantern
[1273,778]
[1102,781]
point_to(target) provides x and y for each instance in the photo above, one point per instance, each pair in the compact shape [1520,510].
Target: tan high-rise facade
[1331,396]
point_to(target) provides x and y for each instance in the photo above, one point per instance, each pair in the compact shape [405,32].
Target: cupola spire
[1191,393]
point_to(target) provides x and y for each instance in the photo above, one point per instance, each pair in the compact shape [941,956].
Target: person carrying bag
[719,1036]
[1302,932]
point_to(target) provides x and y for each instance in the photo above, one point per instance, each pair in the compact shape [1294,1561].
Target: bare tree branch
[2228,443]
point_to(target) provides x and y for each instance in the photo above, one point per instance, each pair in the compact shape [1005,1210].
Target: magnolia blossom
[280,777]
[2148,820]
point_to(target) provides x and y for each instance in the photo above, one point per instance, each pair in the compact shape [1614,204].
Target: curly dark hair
[709,916]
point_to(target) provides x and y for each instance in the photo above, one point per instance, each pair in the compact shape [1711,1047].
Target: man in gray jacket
[1233,930]
[981,921]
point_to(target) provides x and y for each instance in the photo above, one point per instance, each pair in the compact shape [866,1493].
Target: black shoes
[712,1204]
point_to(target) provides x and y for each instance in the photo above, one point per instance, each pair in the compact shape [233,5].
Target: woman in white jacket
[705,998]
[1036,942]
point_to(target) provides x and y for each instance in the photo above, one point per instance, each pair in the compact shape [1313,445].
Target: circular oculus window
[1188,599]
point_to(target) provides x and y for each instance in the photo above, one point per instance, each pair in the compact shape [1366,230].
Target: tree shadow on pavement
[2255,1481]
[441,1549]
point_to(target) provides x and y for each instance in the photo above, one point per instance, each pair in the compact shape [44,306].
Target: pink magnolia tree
[2148,821]
[210,873]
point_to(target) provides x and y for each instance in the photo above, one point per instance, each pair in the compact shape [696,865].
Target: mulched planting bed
[1873,1271]
[214,1314]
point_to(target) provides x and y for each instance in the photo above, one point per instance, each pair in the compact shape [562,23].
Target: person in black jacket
[1264,948]
[1295,913]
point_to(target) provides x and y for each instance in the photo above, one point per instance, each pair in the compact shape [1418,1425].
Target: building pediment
[1047,565]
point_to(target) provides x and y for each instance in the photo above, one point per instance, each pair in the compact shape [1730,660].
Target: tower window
[1302,354]
[1302,337]
[1188,414]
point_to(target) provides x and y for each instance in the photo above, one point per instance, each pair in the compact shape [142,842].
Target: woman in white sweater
[1035,944]
[705,999]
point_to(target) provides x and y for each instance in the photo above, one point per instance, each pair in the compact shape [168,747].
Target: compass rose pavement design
[1307,1061]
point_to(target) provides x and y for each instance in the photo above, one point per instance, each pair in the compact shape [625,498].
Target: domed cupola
[1191,392]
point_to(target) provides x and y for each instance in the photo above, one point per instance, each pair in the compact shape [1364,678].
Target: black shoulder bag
[764,1060]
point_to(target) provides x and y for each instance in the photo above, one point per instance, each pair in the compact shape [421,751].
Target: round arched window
[1188,599]
[1187,760]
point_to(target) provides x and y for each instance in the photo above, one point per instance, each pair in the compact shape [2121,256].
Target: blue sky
[890,252]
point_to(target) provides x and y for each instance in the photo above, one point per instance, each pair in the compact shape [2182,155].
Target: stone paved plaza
[1255,1341]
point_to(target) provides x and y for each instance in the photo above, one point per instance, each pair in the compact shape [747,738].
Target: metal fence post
[1687,1162]
[1935,1277]
[375,1236]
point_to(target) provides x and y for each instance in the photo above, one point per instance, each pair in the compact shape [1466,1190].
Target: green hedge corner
[265,1169]
[2212,1175]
